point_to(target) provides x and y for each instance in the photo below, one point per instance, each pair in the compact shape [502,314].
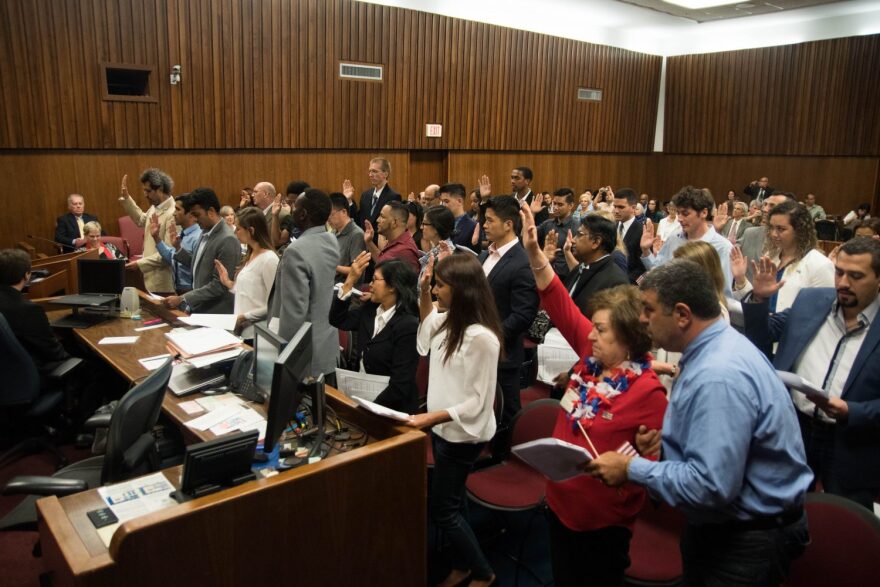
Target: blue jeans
[452,465]
[717,554]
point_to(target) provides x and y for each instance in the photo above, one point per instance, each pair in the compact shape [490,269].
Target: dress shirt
[828,358]
[189,236]
[667,226]
[463,385]
[675,240]
[252,286]
[817,212]
[732,447]
[524,197]
[626,224]
[495,255]
[383,317]
[351,244]
[731,234]
[403,248]
[200,246]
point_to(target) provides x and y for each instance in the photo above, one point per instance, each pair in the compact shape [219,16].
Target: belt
[773,522]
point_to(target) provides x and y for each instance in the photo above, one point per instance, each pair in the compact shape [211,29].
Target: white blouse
[667,227]
[252,286]
[464,385]
[813,270]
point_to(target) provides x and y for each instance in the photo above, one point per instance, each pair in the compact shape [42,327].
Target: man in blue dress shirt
[732,455]
[189,236]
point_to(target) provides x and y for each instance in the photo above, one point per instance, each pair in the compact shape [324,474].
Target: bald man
[264,196]
[429,197]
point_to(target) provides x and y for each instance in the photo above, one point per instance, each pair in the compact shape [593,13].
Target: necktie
[80,226]
[731,236]
[620,229]
[375,200]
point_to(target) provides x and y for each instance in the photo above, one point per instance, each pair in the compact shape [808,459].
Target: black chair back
[826,230]
[21,380]
[135,415]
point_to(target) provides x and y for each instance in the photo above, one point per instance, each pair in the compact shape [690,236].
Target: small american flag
[627,449]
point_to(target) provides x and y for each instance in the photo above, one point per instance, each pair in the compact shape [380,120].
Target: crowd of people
[642,289]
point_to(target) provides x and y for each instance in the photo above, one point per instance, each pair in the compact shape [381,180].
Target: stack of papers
[381,410]
[798,383]
[363,385]
[555,355]
[221,321]
[201,347]
[224,414]
[555,459]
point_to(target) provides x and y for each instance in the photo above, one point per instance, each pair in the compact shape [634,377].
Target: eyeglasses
[378,278]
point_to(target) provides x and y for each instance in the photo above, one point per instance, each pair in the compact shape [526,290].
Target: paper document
[153,363]
[555,355]
[190,407]
[118,340]
[136,498]
[555,459]
[735,308]
[201,341]
[246,418]
[210,359]
[352,383]
[381,410]
[213,402]
[798,383]
[214,417]
[153,296]
[221,321]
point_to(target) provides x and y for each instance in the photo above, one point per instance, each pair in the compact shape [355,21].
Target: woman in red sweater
[612,392]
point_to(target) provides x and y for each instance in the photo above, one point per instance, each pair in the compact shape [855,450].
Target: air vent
[589,95]
[126,82]
[360,71]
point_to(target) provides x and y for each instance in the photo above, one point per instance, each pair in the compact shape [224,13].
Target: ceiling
[732,10]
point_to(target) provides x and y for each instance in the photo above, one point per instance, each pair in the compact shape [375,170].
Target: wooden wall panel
[263,74]
[817,98]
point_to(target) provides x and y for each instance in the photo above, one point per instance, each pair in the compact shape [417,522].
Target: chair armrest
[138,451]
[98,421]
[39,485]
[63,370]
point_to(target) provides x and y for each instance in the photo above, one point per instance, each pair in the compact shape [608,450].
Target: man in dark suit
[452,195]
[629,230]
[69,228]
[831,337]
[506,265]
[26,319]
[217,242]
[594,242]
[758,190]
[373,199]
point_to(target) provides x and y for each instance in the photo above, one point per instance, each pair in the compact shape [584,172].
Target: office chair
[844,542]
[131,451]
[25,407]
[134,234]
[826,230]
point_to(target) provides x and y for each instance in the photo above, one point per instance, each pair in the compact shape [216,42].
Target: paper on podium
[381,410]
[555,355]
[353,383]
[221,321]
[556,459]
[202,341]
[798,383]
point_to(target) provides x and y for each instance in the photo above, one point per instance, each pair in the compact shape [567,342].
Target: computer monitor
[292,368]
[267,347]
[101,276]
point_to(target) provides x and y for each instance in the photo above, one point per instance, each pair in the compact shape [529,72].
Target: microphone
[53,243]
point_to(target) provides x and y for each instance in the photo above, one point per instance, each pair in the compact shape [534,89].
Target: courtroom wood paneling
[817,98]
[263,74]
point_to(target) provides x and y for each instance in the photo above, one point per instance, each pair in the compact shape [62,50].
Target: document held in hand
[555,459]
[798,383]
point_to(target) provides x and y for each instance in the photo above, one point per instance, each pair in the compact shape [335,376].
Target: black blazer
[752,191]
[516,298]
[602,274]
[66,229]
[363,213]
[392,352]
[465,232]
[31,327]
[632,241]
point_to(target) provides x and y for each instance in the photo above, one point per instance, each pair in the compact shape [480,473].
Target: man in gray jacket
[303,288]
[218,242]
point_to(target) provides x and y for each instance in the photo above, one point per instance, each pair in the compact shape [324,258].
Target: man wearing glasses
[594,242]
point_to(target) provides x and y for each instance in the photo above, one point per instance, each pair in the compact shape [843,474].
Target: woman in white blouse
[464,343]
[669,224]
[254,277]
[793,254]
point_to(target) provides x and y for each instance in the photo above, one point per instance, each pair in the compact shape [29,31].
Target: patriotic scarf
[596,395]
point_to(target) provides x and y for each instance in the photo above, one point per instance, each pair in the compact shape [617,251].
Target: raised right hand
[368,232]
[347,189]
[123,194]
[738,264]
[647,240]
[485,187]
[764,283]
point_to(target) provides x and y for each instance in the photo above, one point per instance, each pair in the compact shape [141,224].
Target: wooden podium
[355,518]
[63,274]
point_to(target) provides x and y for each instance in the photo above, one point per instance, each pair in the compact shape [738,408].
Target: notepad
[798,383]
[556,459]
[381,410]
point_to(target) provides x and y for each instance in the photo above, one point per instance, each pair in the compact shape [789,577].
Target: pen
[151,322]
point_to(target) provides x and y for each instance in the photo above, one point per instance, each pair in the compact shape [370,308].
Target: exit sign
[434,130]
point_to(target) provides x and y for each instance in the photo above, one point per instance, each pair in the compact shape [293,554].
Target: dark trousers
[820,443]
[598,557]
[508,380]
[452,465]
[722,554]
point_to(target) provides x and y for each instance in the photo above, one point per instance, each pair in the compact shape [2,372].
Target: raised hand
[411,197]
[537,203]
[738,265]
[569,242]
[658,244]
[154,227]
[427,274]
[173,235]
[368,232]
[276,205]
[347,189]
[444,251]
[475,237]
[485,187]
[610,192]
[551,244]
[647,241]
[721,217]
[764,283]
[123,193]
[358,266]
[529,230]
[223,274]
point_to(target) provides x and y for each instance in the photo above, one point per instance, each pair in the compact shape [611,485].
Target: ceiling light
[700,4]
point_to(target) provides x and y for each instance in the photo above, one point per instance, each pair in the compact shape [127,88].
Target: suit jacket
[363,212]
[31,327]
[516,297]
[857,441]
[752,245]
[465,233]
[392,352]
[753,190]
[67,231]
[632,241]
[740,230]
[208,295]
[303,292]
[157,273]
[603,274]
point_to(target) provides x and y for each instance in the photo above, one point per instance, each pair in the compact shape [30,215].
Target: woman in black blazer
[386,346]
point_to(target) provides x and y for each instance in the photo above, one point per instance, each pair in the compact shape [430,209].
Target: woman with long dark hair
[464,343]
[438,225]
[386,328]
[256,273]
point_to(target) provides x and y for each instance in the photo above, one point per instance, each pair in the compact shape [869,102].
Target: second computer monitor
[292,368]
[101,276]
[267,347]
